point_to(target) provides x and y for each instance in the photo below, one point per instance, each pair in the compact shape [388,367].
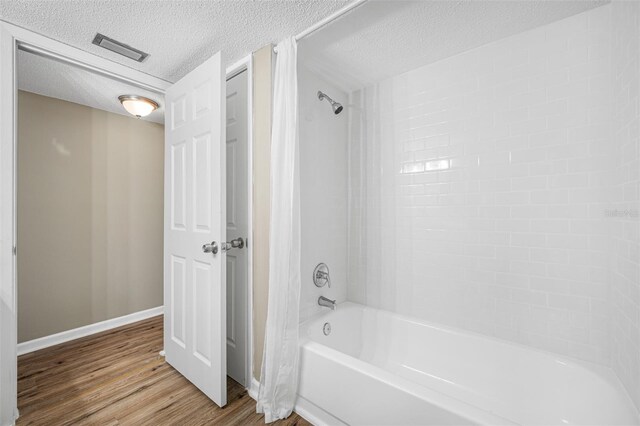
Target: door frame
[12,39]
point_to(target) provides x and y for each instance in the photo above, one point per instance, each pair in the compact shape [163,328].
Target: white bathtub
[379,368]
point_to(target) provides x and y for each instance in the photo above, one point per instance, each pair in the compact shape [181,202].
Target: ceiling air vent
[119,48]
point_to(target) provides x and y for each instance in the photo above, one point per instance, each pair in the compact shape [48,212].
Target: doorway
[30,42]
[89,203]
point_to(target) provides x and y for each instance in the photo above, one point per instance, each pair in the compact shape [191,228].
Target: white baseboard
[87,330]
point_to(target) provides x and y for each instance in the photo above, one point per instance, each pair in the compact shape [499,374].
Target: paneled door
[195,333]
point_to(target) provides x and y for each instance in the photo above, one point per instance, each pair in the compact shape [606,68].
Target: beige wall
[262,83]
[90,211]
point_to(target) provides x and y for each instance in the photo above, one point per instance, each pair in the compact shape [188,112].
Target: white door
[237,227]
[195,331]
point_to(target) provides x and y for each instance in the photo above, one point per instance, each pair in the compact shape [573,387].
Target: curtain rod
[335,15]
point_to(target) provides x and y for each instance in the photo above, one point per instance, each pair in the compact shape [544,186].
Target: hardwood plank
[118,378]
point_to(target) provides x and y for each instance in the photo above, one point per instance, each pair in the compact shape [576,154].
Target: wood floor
[118,378]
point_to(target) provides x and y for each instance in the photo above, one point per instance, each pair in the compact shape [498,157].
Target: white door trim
[13,37]
[45,46]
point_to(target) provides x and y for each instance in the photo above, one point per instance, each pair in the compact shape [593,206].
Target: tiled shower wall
[623,217]
[323,195]
[479,185]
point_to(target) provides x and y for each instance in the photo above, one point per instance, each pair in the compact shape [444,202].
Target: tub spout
[327,303]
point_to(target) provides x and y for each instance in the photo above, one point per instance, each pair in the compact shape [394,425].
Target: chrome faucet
[327,303]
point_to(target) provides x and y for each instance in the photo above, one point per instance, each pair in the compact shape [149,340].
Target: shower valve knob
[321,275]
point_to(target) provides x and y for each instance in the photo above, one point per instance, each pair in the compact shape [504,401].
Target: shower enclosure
[477,203]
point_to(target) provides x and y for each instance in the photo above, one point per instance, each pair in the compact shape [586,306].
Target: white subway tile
[555,107]
[548,167]
[550,196]
[571,150]
[528,239]
[529,183]
[549,255]
[534,125]
[529,297]
[550,285]
[509,237]
[512,280]
[567,241]
[528,155]
[550,226]
[569,302]
[576,180]
[554,137]
[528,212]
[567,272]
[568,211]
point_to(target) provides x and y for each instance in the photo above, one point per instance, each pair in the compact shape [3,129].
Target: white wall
[323,204]
[479,185]
[624,222]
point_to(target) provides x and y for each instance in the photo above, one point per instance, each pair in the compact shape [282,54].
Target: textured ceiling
[178,34]
[380,39]
[376,40]
[62,81]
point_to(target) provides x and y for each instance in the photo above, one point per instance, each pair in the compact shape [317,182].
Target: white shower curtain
[279,378]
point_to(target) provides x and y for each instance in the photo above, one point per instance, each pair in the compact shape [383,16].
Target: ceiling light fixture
[138,105]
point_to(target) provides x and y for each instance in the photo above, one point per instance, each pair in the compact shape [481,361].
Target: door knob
[235,243]
[210,248]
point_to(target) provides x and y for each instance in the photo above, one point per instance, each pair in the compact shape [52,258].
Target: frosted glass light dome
[138,105]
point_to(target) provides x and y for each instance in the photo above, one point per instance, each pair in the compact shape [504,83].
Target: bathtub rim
[599,369]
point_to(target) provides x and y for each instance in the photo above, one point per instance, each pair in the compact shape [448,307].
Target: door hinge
[15,250]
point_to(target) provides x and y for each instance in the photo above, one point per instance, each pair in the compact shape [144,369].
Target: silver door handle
[210,248]
[236,243]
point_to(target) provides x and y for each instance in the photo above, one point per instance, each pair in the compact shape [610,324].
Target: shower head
[337,106]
